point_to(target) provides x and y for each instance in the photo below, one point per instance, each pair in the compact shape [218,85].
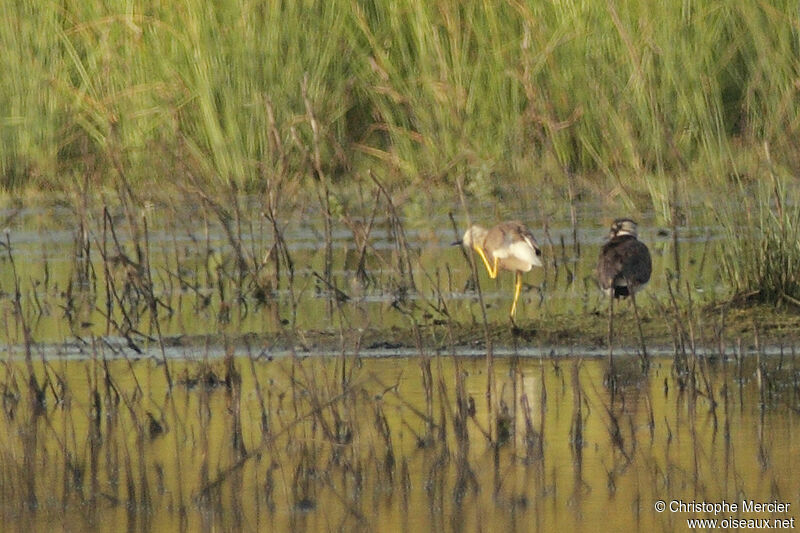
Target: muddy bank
[711,329]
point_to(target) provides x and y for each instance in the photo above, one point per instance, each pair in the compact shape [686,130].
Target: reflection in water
[245,443]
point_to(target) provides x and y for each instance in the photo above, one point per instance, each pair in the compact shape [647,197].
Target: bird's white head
[475,234]
[623,226]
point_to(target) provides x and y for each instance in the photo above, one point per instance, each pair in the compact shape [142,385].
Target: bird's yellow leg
[517,287]
[492,271]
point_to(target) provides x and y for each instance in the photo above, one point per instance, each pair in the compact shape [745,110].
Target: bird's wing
[608,265]
[533,253]
[625,259]
[524,252]
[528,237]
[519,243]
[637,264]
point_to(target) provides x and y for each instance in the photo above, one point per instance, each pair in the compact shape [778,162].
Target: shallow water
[375,454]
[63,279]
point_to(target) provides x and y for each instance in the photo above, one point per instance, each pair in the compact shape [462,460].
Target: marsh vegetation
[230,301]
[170,384]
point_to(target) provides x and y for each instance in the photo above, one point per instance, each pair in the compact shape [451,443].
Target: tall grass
[628,94]
[760,260]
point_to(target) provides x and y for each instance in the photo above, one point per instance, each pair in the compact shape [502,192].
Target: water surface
[265,427]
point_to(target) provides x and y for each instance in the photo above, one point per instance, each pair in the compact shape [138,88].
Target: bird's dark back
[624,258]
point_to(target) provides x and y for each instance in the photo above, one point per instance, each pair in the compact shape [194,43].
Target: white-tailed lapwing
[624,268]
[508,246]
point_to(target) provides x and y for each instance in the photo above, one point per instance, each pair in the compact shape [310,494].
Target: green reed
[214,94]
[318,102]
[761,256]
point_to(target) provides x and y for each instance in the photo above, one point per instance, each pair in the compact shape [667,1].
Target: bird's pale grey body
[508,246]
[512,243]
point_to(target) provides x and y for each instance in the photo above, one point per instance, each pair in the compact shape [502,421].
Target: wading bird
[624,268]
[509,246]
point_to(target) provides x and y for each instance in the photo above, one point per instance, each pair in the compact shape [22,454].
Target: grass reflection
[388,443]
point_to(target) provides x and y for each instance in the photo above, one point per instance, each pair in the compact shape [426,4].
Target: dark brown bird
[510,246]
[623,269]
[624,266]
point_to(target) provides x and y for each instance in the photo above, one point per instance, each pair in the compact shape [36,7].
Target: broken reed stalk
[125,298]
[462,414]
[361,234]
[611,333]
[553,257]
[37,391]
[491,385]
[643,356]
[323,189]
[233,382]
[699,357]
[401,243]
[427,383]
[673,206]
[444,402]
[280,246]
[516,388]
[95,429]
[106,272]
[274,183]
[570,276]
[382,426]
[153,303]
[83,260]
[244,261]
[680,356]
[576,428]
[230,224]
[573,215]
[265,420]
